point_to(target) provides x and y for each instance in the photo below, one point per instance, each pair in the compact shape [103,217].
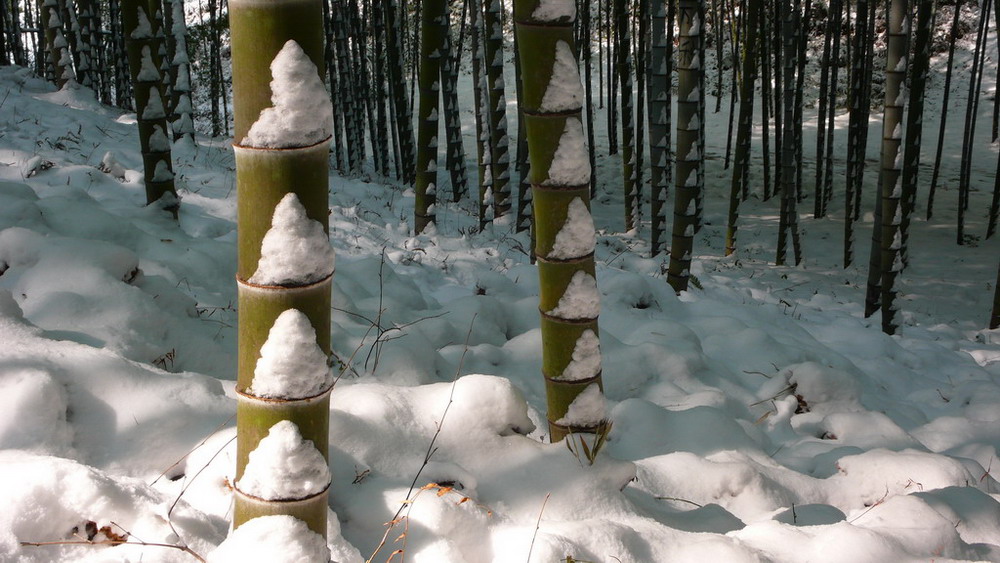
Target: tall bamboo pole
[564,248]
[150,103]
[290,173]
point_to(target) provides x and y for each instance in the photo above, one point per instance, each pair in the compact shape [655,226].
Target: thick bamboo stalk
[689,158]
[144,61]
[560,180]
[265,177]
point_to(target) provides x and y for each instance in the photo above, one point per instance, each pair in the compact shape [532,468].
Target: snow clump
[291,363]
[555,10]
[581,299]
[278,538]
[571,161]
[576,237]
[565,91]
[296,250]
[284,466]
[587,409]
[302,114]
[586,362]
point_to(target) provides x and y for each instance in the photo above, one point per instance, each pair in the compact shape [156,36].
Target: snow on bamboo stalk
[689,160]
[564,249]
[183,124]
[285,266]
[150,107]
[55,42]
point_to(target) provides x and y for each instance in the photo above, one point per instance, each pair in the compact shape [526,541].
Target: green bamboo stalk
[142,47]
[265,177]
[560,182]
[689,159]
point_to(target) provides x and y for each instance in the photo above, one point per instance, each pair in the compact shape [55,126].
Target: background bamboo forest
[692,280]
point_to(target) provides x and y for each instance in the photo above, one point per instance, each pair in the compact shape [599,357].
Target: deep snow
[759,417]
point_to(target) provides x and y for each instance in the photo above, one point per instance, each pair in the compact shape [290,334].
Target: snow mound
[291,363]
[275,539]
[284,466]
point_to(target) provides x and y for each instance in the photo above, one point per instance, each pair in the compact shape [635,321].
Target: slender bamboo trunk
[560,178]
[630,187]
[855,147]
[971,111]
[57,48]
[661,170]
[147,84]
[499,141]
[689,158]
[788,217]
[433,28]
[819,200]
[522,221]
[915,118]
[944,109]
[403,121]
[835,10]
[282,185]
[893,209]
[455,150]
[481,96]
[741,163]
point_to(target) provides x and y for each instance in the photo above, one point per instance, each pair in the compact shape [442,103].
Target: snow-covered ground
[759,417]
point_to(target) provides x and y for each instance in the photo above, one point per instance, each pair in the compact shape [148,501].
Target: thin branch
[538,524]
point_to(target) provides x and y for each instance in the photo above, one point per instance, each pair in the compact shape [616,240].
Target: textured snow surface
[588,408]
[586,362]
[275,539]
[118,350]
[295,250]
[291,363]
[555,10]
[580,300]
[576,237]
[302,114]
[564,91]
[571,162]
[284,466]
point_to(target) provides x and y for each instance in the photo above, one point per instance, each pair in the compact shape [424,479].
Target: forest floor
[758,417]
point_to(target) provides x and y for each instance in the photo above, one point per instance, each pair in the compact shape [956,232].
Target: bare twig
[183,548]
[410,498]
[538,524]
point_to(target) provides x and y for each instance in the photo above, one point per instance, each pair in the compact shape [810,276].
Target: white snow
[291,363]
[586,362]
[275,539]
[284,466]
[147,70]
[570,163]
[158,141]
[564,91]
[576,237]
[555,10]
[143,30]
[302,114]
[581,299]
[162,172]
[587,409]
[118,332]
[295,250]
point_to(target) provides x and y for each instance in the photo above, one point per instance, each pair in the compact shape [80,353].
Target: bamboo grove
[395,70]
